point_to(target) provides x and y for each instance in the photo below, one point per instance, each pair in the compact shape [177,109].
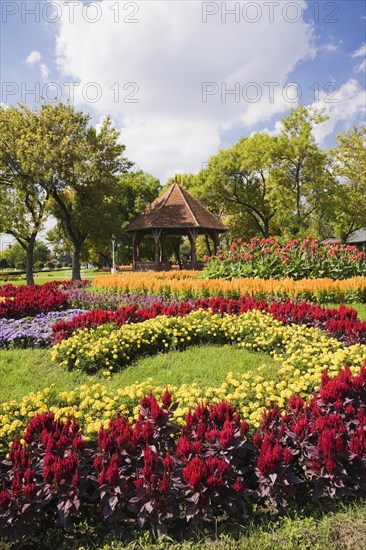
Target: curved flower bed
[187,285]
[304,353]
[111,347]
[159,475]
[341,323]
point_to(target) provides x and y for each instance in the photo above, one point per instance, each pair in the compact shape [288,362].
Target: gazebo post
[157,236]
[162,239]
[135,250]
[192,235]
[216,240]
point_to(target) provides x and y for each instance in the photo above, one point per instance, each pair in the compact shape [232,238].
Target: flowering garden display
[162,458]
[183,285]
[270,258]
[158,474]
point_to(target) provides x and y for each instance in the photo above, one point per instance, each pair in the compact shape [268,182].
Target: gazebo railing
[166,266]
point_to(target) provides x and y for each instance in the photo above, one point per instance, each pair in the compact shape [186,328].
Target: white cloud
[44,71]
[361,68]
[169,54]
[349,106]
[33,58]
[361,52]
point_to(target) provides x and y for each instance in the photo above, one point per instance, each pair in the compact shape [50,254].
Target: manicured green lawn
[23,371]
[343,529]
[57,275]
[340,528]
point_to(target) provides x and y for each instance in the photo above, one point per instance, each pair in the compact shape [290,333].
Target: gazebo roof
[176,209]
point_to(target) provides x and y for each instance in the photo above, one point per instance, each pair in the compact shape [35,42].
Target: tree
[349,166]
[83,164]
[16,255]
[133,192]
[302,180]
[24,202]
[237,182]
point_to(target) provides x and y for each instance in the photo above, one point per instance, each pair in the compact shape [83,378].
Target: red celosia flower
[5,498]
[166,399]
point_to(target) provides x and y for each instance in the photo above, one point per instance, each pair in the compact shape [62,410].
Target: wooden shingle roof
[175,209]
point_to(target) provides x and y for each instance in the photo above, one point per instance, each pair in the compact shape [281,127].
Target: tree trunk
[30,259]
[266,228]
[76,271]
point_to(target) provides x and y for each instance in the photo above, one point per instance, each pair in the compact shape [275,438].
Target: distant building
[358,238]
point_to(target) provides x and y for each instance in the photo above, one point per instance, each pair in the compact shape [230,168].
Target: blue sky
[174,64]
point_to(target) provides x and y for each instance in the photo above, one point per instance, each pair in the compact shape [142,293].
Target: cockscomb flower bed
[159,475]
[33,331]
[190,286]
[24,301]
[271,258]
[341,323]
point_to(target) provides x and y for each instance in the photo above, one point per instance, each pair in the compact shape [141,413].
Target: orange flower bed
[186,284]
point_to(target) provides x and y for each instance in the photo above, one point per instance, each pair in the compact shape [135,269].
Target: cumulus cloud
[361,52]
[33,58]
[361,68]
[44,71]
[348,106]
[174,83]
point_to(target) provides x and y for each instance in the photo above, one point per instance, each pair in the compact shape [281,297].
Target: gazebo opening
[177,213]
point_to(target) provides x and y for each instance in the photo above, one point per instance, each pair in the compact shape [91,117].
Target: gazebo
[175,212]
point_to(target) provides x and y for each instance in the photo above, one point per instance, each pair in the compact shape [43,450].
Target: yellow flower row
[300,355]
[110,347]
[186,284]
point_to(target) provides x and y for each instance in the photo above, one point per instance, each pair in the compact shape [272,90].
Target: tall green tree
[349,166]
[84,164]
[132,193]
[303,181]
[237,182]
[24,201]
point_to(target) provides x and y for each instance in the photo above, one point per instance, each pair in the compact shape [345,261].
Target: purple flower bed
[112,301]
[32,331]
